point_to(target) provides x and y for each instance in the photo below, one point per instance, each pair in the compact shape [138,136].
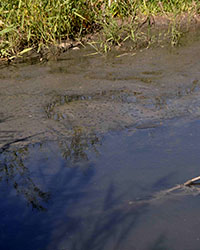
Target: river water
[87,143]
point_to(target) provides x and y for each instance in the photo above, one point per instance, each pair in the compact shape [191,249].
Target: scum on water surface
[99,94]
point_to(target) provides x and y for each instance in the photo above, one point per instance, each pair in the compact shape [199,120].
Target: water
[90,146]
[90,197]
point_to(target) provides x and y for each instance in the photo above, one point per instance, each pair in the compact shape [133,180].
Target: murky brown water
[86,142]
[99,94]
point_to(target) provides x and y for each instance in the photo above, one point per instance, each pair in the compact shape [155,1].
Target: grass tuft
[27,25]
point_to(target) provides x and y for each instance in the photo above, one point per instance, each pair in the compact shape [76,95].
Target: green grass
[38,24]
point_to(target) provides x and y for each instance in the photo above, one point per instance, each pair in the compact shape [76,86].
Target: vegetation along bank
[51,26]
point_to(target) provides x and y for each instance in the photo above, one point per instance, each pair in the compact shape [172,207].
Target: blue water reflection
[82,194]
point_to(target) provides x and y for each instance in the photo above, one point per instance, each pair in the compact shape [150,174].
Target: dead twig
[192,181]
[172,191]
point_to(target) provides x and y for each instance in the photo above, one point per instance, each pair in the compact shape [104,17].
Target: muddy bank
[52,100]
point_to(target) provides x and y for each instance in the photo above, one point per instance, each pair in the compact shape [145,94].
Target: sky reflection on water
[82,194]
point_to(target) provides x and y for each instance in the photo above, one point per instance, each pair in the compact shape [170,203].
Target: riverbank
[45,27]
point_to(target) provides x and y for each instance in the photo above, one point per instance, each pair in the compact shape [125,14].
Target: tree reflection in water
[81,214]
[15,171]
[76,150]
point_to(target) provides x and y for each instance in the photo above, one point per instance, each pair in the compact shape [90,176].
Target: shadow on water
[104,226]
[160,243]
[109,228]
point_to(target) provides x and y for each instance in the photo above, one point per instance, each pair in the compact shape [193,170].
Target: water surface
[53,199]
[88,144]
